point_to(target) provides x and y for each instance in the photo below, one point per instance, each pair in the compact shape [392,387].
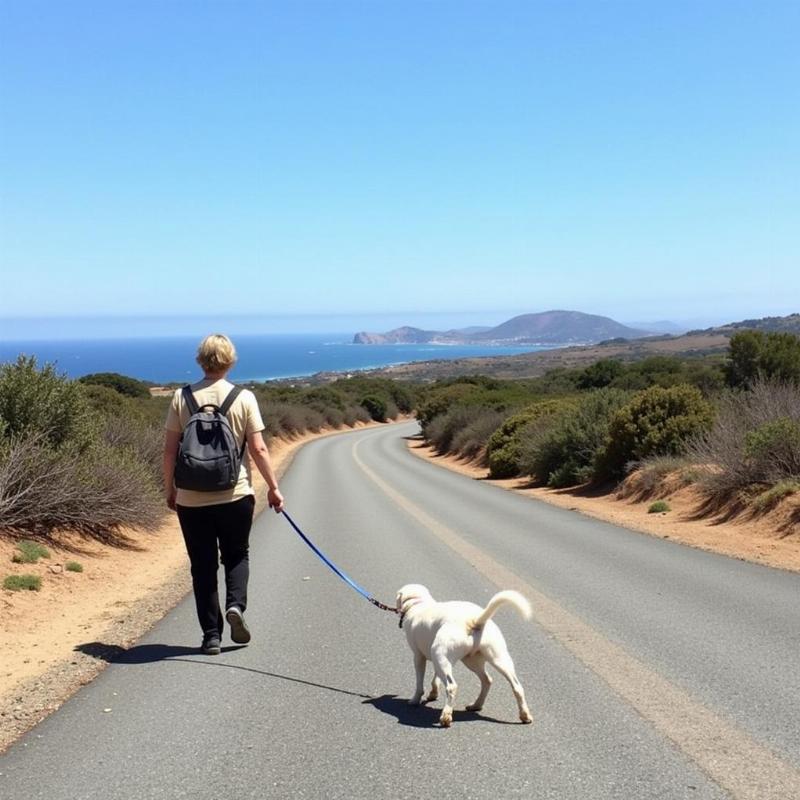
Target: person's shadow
[141,653]
[150,653]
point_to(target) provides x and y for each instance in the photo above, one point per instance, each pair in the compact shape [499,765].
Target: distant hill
[788,324]
[661,326]
[713,342]
[548,327]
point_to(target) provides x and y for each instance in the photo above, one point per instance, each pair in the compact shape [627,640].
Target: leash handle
[363,592]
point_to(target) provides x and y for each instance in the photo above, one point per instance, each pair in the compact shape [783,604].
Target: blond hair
[216,353]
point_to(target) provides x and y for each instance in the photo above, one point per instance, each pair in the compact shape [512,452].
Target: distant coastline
[162,360]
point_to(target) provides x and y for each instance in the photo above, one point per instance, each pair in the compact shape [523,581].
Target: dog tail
[510,597]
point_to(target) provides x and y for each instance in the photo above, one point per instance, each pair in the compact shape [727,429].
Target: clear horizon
[301,160]
[153,326]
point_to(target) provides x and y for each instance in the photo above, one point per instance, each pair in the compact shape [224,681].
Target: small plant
[659,507]
[16,583]
[771,497]
[73,566]
[29,552]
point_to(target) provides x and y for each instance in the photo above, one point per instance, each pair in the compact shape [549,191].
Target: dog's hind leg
[444,672]
[477,664]
[434,692]
[505,666]
[419,667]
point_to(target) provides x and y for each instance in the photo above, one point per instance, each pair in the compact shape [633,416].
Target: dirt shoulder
[768,540]
[51,639]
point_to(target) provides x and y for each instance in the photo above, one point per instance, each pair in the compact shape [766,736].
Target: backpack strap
[188,398]
[233,394]
[226,407]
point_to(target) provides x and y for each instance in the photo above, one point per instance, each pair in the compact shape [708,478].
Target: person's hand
[170,497]
[275,500]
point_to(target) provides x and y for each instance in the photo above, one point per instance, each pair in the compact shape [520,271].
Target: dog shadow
[424,716]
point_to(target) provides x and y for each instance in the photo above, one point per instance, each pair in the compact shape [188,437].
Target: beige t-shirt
[244,417]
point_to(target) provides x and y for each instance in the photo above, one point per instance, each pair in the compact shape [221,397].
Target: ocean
[261,357]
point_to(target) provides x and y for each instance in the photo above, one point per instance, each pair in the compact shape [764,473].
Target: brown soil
[120,594]
[772,539]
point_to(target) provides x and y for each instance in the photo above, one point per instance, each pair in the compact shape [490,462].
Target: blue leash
[345,578]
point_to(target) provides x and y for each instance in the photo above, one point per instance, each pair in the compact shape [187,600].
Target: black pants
[207,531]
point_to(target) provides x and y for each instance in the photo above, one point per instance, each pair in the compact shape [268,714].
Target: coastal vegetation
[85,455]
[728,425]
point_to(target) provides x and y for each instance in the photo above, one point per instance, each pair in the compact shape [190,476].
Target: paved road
[652,670]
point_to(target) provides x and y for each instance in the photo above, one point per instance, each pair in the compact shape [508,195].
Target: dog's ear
[398,603]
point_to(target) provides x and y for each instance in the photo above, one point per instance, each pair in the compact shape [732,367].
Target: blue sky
[419,161]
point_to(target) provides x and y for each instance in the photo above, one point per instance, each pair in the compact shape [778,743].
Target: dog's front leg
[433,694]
[419,666]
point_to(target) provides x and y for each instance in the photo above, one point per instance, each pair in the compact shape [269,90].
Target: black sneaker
[239,630]
[211,645]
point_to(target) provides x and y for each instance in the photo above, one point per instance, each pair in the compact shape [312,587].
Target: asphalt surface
[315,706]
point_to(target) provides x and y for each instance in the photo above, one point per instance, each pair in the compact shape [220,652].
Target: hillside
[788,324]
[548,327]
[532,365]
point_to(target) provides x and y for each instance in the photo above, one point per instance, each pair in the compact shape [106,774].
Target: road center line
[735,761]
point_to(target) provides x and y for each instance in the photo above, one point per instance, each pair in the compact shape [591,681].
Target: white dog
[445,633]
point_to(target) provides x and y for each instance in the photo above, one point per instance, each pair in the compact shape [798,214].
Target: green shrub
[34,400]
[770,498]
[106,401]
[774,448]
[600,374]
[566,452]
[73,566]
[657,421]
[376,407]
[475,391]
[755,355]
[504,448]
[659,507]
[16,583]
[121,384]
[29,552]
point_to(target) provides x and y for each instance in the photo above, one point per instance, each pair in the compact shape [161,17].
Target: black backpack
[209,458]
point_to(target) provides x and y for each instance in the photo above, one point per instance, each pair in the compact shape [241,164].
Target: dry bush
[443,428]
[95,493]
[392,411]
[755,440]
[354,414]
[143,442]
[284,419]
[470,442]
[334,417]
[658,477]
[313,420]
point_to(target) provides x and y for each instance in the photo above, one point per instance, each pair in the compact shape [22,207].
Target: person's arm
[260,455]
[171,440]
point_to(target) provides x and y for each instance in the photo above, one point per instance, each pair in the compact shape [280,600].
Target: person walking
[216,521]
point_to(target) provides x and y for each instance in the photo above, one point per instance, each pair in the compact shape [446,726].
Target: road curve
[652,670]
